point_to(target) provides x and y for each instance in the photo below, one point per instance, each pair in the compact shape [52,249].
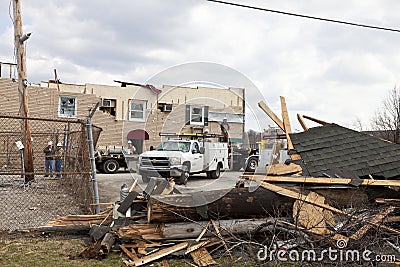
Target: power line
[305,16]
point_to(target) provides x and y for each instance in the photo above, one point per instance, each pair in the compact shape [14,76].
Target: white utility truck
[181,158]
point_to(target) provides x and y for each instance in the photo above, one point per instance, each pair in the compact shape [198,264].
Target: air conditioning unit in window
[167,108]
[108,103]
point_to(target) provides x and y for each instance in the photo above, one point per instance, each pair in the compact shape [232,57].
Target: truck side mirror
[202,150]
[151,148]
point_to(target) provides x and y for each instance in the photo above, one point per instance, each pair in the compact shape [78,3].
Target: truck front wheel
[252,164]
[111,166]
[216,173]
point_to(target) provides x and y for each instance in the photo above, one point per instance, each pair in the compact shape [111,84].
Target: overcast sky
[330,71]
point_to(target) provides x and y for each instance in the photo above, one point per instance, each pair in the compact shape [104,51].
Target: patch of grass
[42,251]
[26,251]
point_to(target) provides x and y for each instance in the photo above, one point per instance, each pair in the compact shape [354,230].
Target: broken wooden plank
[221,238]
[288,129]
[302,122]
[203,232]
[271,114]
[391,219]
[197,246]
[297,195]
[388,201]
[283,169]
[131,254]
[202,258]
[320,180]
[376,219]
[160,254]
[315,120]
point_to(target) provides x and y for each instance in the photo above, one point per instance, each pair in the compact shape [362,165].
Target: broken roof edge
[327,124]
[148,86]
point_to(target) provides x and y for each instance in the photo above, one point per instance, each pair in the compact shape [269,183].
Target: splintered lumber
[189,230]
[310,216]
[300,196]
[314,218]
[159,254]
[302,122]
[236,203]
[140,231]
[376,219]
[130,254]
[320,180]
[272,115]
[106,243]
[202,258]
[283,169]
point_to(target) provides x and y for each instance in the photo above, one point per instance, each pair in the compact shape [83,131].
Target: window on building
[67,107]
[196,115]
[108,106]
[137,110]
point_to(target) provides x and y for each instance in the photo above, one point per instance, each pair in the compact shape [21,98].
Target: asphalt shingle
[332,146]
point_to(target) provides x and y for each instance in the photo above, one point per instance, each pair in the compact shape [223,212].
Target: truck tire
[185,174]
[216,173]
[252,165]
[110,166]
[145,178]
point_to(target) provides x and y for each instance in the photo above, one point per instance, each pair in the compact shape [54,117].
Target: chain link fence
[27,204]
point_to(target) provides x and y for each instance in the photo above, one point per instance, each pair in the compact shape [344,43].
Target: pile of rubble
[339,190]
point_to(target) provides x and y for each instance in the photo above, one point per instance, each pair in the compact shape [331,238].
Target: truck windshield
[174,146]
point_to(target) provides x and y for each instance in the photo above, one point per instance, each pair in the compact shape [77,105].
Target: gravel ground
[33,205]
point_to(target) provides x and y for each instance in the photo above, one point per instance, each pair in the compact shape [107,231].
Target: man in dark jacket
[49,159]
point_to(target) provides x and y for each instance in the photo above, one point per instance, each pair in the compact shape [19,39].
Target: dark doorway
[137,137]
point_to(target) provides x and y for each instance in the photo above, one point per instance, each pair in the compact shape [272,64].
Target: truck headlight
[175,160]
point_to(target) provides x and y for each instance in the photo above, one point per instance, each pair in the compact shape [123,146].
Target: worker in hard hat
[131,148]
[49,159]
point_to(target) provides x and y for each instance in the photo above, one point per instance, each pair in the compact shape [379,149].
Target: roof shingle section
[331,147]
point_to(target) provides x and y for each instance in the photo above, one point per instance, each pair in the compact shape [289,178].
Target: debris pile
[338,191]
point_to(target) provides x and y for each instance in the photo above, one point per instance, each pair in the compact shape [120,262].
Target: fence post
[92,159]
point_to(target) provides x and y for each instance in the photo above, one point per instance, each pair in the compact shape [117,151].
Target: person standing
[49,159]
[224,125]
[131,148]
[58,157]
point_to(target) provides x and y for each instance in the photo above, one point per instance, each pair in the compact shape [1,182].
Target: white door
[197,163]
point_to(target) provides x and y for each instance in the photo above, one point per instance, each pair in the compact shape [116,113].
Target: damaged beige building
[132,111]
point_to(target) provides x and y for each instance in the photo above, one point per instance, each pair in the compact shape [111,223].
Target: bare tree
[357,124]
[387,118]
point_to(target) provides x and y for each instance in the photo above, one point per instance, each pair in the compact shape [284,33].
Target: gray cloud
[330,71]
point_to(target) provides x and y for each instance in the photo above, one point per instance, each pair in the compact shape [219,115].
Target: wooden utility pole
[22,87]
